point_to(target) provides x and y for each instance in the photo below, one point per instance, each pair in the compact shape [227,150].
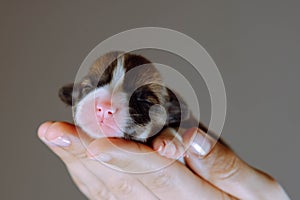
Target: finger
[165,179]
[122,185]
[124,155]
[168,144]
[95,180]
[221,167]
[125,185]
[88,183]
[62,139]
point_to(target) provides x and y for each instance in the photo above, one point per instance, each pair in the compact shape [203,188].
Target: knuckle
[80,155]
[162,181]
[226,166]
[73,157]
[124,187]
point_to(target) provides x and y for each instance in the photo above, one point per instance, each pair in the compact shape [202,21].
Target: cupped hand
[120,169]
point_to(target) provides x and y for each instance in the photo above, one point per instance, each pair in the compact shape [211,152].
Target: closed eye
[145,101]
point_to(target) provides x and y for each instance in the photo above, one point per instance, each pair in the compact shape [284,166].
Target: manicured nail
[62,141]
[201,144]
[104,157]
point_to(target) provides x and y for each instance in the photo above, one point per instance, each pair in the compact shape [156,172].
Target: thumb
[220,166]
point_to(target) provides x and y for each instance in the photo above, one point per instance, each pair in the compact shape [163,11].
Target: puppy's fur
[142,106]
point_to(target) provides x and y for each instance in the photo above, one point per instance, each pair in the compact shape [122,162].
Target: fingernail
[104,157]
[201,144]
[62,141]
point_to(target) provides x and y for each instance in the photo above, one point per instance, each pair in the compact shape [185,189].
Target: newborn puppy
[123,95]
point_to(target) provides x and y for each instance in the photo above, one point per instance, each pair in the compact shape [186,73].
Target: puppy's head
[121,96]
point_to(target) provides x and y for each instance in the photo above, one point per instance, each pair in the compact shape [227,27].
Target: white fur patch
[85,115]
[118,74]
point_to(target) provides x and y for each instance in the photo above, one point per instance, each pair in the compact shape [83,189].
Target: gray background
[42,43]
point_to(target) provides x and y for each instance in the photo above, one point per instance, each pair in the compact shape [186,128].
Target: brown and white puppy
[123,96]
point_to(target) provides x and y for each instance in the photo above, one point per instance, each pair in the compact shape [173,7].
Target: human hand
[218,172]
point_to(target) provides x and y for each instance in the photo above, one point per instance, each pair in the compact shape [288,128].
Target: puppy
[123,95]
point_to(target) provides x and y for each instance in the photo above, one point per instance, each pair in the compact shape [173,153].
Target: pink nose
[104,112]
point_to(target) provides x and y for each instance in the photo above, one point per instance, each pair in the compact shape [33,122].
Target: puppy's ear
[65,93]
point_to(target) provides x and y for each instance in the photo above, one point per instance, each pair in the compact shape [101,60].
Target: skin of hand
[100,170]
